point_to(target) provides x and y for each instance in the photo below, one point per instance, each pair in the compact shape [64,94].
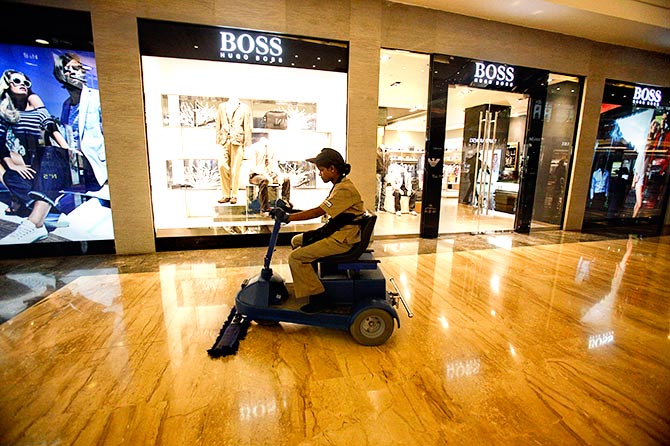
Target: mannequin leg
[236,156]
[224,171]
[286,190]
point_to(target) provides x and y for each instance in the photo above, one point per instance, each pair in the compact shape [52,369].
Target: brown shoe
[224,200]
[233,200]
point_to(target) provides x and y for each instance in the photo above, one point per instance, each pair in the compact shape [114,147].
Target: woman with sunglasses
[24,125]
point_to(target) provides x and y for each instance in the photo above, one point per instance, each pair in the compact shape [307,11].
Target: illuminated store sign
[647,96]
[494,74]
[200,42]
[245,47]
[636,95]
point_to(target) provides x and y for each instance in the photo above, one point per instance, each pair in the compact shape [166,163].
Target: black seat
[358,257]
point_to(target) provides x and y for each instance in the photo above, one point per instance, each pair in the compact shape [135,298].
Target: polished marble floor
[552,338]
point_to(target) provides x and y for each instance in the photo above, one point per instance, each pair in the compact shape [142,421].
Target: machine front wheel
[372,327]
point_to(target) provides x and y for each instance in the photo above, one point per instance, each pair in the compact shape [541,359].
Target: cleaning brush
[233,331]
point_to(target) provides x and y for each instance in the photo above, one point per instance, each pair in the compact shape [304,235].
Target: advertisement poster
[53,167]
[629,175]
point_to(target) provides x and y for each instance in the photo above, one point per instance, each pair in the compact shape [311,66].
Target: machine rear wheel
[372,327]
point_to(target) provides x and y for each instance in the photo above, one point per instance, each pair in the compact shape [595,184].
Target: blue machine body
[352,287]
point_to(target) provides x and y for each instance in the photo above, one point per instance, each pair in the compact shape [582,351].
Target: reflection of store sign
[647,96]
[461,369]
[601,339]
[245,47]
[491,73]
[474,140]
[537,110]
[259,410]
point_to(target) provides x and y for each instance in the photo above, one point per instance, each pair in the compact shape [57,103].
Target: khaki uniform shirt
[345,198]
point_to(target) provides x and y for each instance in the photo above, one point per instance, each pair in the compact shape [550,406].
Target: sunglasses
[18,81]
[77,67]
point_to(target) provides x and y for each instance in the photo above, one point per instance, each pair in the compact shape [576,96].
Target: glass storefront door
[558,134]
[480,184]
[403,92]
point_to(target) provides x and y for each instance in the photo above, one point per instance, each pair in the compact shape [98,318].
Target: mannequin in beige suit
[233,133]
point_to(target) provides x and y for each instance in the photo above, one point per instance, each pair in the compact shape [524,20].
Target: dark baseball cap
[327,157]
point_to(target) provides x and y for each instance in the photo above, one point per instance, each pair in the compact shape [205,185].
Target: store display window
[53,164]
[488,150]
[628,184]
[231,117]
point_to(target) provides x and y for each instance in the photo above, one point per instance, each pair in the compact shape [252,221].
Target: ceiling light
[42,41]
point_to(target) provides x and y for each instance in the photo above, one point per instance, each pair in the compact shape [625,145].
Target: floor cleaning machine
[353,281]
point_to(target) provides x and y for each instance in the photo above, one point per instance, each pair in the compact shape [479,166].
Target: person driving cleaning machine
[343,206]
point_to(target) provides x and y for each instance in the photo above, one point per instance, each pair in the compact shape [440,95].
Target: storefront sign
[494,74]
[647,96]
[245,47]
[199,42]
[636,95]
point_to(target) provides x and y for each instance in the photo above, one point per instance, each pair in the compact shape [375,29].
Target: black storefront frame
[451,70]
[196,42]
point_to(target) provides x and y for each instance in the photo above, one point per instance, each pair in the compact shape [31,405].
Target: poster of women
[53,164]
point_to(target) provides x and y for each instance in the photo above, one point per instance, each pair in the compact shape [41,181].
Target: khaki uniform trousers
[305,280]
[230,164]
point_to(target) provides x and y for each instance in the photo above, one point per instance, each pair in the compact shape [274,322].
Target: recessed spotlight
[42,41]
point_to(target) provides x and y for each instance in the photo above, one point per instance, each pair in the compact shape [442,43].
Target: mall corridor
[553,338]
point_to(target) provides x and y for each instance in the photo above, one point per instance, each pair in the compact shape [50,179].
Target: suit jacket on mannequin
[233,133]
[233,124]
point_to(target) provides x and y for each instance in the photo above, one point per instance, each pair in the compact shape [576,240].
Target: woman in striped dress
[25,124]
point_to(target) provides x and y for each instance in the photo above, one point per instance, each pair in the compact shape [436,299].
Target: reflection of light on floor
[583,270]
[444,322]
[495,283]
[493,313]
[512,350]
[501,241]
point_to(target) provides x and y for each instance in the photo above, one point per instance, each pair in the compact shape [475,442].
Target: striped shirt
[28,129]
